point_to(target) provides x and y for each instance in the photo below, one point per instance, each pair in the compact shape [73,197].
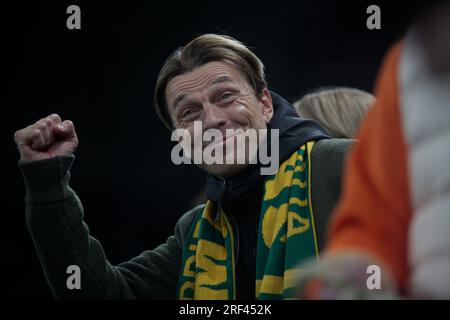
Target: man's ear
[266,105]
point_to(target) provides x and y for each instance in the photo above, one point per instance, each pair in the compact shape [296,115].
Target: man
[243,244]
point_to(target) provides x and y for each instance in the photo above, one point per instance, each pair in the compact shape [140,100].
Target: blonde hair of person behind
[339,110]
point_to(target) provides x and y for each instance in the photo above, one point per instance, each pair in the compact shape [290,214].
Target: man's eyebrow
[178,100]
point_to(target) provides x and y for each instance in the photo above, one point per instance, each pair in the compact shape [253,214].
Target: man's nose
[214,117]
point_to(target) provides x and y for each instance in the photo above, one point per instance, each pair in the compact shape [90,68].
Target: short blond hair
[339,110]
[203,49]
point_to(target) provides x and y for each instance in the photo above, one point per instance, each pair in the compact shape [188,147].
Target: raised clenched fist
[49,137]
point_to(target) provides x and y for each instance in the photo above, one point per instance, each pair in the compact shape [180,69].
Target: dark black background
[102,78]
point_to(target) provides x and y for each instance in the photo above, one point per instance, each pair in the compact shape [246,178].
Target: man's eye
[187,113]
[226,96]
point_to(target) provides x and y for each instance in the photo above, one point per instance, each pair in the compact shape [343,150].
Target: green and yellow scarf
[286,236]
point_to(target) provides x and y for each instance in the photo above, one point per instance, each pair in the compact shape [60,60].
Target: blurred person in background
[339,110]
[395,210]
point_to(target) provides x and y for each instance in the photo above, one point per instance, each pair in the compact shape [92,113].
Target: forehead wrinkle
[200,81]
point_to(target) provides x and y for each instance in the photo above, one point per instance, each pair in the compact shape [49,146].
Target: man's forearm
[54,216]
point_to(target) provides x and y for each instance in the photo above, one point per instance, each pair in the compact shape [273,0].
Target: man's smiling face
[219,96]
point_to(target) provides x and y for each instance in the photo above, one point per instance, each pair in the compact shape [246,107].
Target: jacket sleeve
[54,217]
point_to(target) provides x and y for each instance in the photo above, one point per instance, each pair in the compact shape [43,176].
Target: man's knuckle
[41,126]
[48,122]
[17,135]
[35,133]
[54,117]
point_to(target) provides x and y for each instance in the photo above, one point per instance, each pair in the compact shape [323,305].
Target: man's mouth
[225,141]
